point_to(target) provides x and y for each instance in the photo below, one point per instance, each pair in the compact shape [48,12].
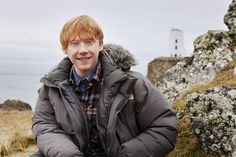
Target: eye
[74,43]
[90,42]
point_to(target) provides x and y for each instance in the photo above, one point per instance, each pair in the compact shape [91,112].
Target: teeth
[83,58]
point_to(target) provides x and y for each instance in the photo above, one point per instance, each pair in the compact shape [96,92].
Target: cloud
[31,29]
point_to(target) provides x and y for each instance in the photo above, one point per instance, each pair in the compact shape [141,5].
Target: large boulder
[230,19]
[15,105]
[213,115]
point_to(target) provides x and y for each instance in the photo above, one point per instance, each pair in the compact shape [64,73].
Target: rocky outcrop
[230,19]
[15,105]
[212,113]
[212,52]
[158,67]
[213,116]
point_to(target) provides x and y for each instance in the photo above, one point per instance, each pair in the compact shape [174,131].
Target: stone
[158,67]
[213,119]
[230,19]
[15,105]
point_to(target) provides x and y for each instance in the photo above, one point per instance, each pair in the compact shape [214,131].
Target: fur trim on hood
[119,57]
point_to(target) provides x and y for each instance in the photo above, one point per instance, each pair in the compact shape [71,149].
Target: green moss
[187,141]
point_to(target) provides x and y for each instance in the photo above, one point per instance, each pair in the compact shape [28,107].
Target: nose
[83,48]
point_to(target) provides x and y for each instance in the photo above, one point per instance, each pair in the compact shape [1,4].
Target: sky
[29,29]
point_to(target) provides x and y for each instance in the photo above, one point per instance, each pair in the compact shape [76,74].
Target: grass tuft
[15,131]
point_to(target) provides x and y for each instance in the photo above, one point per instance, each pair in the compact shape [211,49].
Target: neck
[84,74]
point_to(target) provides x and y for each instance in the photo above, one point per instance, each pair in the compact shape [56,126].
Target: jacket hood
[119,57]
[112,57]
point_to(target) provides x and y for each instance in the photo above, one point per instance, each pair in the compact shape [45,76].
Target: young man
[92,105]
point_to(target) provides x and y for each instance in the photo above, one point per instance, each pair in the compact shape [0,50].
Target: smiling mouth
[84,58]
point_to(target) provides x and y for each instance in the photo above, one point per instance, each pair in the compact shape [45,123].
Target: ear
[65,51]
[101,46]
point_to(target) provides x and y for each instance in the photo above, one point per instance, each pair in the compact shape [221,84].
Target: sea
[19,86]
[21,81]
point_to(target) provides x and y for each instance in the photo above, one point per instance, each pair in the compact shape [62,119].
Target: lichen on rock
[213,119]
[230,19]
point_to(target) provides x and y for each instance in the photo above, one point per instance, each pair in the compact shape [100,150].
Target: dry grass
[187,141]
[15,132]
[25,153]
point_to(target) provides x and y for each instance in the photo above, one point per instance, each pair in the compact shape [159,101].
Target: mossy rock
[15,105]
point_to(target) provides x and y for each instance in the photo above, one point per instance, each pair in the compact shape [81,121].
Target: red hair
[84,26]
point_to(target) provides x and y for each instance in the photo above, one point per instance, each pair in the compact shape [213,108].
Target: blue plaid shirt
[83,83]
[88,90]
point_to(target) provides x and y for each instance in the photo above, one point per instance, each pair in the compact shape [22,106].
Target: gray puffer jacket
[133,118]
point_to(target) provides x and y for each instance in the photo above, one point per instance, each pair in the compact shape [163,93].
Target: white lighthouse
[176,42]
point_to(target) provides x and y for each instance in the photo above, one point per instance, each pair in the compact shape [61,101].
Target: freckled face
[83,54]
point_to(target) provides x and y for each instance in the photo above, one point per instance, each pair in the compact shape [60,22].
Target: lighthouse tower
[176,42]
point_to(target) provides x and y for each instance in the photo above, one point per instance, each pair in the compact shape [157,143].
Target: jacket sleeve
[50,138]
[157,123]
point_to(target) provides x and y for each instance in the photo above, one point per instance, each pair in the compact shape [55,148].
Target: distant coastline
[20,86]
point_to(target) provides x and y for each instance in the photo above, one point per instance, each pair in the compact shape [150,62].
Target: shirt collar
[95,74]
[77,78]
